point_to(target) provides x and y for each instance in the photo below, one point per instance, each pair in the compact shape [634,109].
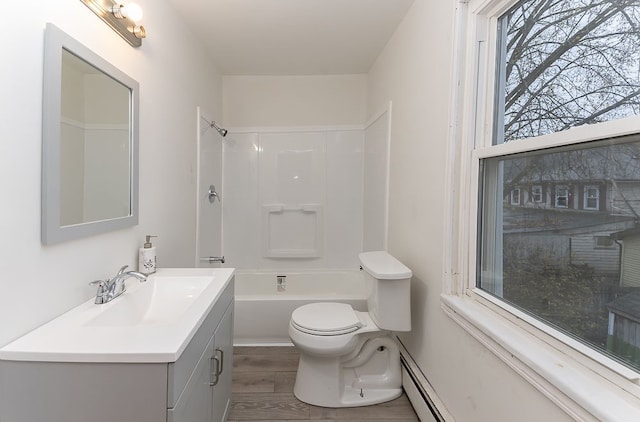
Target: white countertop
[122,330]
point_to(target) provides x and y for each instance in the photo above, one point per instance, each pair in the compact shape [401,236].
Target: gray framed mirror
[89,142]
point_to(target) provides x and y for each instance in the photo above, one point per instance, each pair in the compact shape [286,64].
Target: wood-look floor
[263,379]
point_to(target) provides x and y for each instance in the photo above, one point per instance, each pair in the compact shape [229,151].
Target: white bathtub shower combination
[264,304]
[300,202]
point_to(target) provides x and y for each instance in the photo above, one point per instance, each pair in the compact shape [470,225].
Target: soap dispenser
[147,257]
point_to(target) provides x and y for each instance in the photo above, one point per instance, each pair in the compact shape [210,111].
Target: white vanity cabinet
[196,387]
[222,389]
[207,393]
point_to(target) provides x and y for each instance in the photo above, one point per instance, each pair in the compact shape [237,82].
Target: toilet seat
[326,319]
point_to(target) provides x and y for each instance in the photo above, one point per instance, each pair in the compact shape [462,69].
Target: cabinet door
[223,349]
[194,405]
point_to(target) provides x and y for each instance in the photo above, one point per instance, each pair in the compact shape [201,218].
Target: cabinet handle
[214,374]
[221,367]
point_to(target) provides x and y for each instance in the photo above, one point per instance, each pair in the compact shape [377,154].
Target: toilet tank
[389,300]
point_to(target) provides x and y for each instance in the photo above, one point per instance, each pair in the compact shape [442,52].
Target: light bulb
[118,11]
[133,12]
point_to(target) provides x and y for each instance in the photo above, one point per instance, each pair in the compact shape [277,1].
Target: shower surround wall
[293,198]
[314,124]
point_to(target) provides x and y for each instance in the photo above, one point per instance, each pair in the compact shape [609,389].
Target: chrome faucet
[111,289]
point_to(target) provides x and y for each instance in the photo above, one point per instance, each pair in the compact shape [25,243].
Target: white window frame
[558,196]
[536,194]
[586,198]
[584,383]
[515,196]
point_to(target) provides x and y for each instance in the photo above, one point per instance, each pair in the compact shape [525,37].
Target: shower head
[221,131]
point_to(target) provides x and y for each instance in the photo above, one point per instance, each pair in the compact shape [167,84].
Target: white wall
[376,182]
[39,282]
[315,100]
[414,72]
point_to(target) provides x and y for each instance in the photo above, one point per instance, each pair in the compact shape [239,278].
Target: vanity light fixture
[131,11]
[121,18]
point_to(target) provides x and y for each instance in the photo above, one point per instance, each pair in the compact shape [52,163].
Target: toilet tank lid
[383,266]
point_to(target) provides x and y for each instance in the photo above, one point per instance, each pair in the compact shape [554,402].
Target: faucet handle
[100,284]
[121,270]
[100,294]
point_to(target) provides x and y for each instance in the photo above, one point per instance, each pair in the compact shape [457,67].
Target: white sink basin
[159,300]
[152,321]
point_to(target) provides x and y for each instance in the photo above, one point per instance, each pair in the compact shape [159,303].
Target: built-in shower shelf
[292,230]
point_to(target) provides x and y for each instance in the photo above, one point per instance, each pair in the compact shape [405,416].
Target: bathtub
[265,300]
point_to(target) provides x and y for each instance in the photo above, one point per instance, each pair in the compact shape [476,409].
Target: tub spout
[212,259]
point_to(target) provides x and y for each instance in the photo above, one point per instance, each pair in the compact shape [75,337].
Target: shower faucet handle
[212,194]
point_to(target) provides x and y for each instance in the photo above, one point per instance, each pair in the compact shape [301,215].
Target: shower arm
[212,124]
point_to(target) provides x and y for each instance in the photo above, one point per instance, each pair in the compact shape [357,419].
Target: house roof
[635,231]
[567,221]
[605,162]
[627,306]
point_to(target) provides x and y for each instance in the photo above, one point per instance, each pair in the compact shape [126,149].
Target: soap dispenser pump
[147,257]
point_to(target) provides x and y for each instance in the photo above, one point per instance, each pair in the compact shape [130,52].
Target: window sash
[478,128]
[591,198]
[515,196]
[562,196]
[536,193]
[603,242]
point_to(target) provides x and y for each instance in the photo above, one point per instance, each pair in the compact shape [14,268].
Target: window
[562,196]
[536,193]
[591,198]
[562,65]
[603,241]
[515,196]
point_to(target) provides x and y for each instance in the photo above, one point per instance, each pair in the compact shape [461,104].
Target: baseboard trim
[421,394]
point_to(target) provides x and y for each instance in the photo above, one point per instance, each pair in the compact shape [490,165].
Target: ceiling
[293,37]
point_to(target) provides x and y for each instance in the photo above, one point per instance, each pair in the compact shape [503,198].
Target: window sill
[580,391]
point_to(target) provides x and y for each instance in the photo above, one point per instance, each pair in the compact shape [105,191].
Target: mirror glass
[94,144]
[89,142]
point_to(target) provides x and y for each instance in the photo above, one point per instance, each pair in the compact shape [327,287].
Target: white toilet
[348,358]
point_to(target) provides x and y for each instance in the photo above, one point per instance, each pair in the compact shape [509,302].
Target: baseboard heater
[420,393]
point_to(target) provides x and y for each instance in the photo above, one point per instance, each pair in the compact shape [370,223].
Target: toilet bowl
[349,358]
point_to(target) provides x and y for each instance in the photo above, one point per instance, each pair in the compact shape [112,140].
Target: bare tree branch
[570,62]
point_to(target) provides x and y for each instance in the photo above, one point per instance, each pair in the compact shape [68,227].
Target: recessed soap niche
[292,231]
